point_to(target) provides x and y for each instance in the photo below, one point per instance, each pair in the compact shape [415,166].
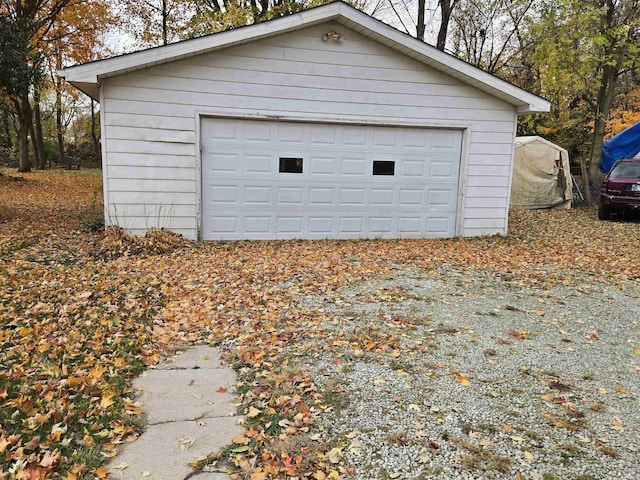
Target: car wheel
[603,213]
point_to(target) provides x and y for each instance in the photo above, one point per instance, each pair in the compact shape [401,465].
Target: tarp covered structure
[625,144]
[541,175]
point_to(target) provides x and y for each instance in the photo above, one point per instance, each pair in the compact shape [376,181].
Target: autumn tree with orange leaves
[46,34]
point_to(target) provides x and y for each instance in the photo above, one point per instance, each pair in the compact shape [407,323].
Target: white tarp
[541,175]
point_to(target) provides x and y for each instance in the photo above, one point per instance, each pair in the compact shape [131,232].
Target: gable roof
[87,77]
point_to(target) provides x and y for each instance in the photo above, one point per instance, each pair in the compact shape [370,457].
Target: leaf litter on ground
[80,319]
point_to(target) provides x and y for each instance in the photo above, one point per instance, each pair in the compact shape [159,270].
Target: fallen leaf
[101,472]
[253,412]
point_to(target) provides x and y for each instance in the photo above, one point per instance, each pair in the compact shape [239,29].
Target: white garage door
[274,179]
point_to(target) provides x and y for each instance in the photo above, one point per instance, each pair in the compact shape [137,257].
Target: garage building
[323,124]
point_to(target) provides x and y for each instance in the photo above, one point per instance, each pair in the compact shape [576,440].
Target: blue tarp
[625,144]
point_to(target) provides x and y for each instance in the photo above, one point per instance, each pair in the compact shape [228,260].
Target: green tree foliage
[18,63]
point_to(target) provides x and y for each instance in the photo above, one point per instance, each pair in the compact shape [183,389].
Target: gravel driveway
[487,378]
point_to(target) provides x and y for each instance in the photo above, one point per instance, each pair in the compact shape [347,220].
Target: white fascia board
[525,102]
[94,71]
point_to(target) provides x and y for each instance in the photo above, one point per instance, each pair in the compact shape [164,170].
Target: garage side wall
[151,119]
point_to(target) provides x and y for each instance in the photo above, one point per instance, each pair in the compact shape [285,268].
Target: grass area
[77,325]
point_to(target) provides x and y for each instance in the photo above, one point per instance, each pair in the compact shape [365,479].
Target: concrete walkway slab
[190,413]
[176,395]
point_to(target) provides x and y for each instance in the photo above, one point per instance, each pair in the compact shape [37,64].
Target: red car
[620,190]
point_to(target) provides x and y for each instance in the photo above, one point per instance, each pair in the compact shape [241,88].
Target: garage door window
[383,167]
[290,165]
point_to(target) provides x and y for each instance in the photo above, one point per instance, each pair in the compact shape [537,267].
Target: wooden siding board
[152,147]
[156,172]
[151,185]
[151,115]
[218,77]
[152,134]
[150,121]
[493,170]
[152,210]
[486,202]
[144,160]
[307,99]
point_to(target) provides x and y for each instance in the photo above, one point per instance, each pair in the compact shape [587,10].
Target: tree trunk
[24,123]
[6,142]
[420,25]
[584,173]
[94,135]
[38,141]
[62,160]
[446,9]
[606,95]
[36,151]
[165,18]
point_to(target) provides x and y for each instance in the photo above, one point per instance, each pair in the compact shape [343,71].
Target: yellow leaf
[463,380]
[528,456]
[319,475]
[106,401]
[258,476]
[97,372]
[102,472]
[540,313]
[3,444]
[253,412]
[239,440]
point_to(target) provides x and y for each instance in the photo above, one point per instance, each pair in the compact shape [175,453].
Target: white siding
[151,118]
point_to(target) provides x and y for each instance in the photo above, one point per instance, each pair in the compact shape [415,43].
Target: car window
[625,170]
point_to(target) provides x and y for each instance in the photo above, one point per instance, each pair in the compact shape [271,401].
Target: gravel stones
[492,379]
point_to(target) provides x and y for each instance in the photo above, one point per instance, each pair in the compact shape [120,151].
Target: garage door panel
[416,139]
[352,196]
[245,196]
[257,195]
[322,165]
[410,225]
[257,164]
[438,225]
[441,198]
[290,195]
[291,225]
[223,195]
[410,197]
[324,196]
[351,225]
[260,225]
[321,225]
[380,225]
[222,162]
[382,196]
[413,168]
[353,166]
